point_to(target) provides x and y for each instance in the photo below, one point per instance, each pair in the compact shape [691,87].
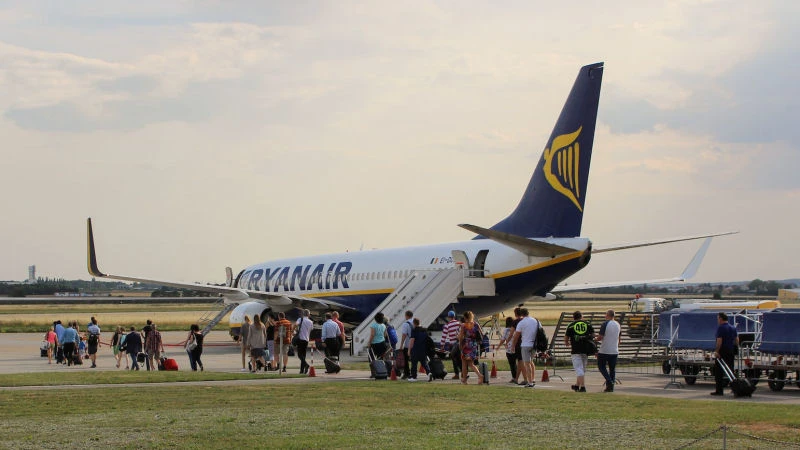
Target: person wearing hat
[449,339]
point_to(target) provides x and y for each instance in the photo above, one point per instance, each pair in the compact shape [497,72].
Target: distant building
[32,274]
[788,295]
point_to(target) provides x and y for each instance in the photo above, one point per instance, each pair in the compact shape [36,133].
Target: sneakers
[717,393]
[245,370]
[530,385]
[513,381]
[456,377]
[609,389]
[582,389]
[412,379]
[574,387]
[430,377]
[94,365]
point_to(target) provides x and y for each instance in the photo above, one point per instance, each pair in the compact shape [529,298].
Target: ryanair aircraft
[527,254]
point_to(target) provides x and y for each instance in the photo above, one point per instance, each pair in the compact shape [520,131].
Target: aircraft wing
[687,273]
[232,294]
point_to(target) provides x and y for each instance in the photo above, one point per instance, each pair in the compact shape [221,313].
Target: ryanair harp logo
[561,166]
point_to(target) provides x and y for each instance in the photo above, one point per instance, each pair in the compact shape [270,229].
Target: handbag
[191,344]
[296,337]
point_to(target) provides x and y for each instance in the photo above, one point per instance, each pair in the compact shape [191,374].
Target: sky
[199,135]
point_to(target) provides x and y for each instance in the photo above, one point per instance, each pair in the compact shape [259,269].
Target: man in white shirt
[304,326]
[526,334]
[330,336]
[609,350]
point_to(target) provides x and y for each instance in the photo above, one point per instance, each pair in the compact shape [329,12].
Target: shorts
[92,349]
[527,353]
[115,349]
[257,352]
[579,361]
[271,348]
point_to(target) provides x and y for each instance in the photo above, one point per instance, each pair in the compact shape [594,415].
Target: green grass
[364,414]
[124,377]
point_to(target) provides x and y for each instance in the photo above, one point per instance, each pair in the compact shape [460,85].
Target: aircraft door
[480,263]
[460,259]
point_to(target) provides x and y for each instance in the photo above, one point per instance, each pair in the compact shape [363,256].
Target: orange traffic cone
[393,376]
[311,371]
[422,370]
[494,369]
[545,375]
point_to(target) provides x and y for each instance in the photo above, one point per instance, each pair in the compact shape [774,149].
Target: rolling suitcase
[437,369]
[741,387]
[484,369]
[377,367]
[332,364]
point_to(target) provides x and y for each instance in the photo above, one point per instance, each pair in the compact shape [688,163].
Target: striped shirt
[450,333]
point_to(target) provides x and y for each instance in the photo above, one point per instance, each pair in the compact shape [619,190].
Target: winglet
[694,264]
[91,256]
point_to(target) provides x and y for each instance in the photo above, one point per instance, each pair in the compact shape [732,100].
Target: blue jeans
[134,362]
[192,362]
[611,374]
[415,362]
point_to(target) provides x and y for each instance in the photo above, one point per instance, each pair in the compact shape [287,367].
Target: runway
[19,353]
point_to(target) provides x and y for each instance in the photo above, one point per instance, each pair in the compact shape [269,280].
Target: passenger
[244,331]
[518,347]
[304,326]
[283,339]
[331,335]
[146,329]
[133,344]
[419,351]
[197,351]
[342,336]
[257,340]
[93,340]
[378,336]
[526,334]
[405,339]
[154,347]
[59,329]
[271,364]
[470,342]
[579,337]
[116,343]
[52,342]
[726,343]
[507,341]
[450,339]
[609,350]
[81,350]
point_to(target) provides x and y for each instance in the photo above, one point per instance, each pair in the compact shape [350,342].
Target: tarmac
[20,353]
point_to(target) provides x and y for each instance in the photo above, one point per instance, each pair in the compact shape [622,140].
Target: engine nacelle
[249,309]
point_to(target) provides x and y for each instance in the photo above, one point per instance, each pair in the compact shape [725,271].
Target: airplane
[526,255]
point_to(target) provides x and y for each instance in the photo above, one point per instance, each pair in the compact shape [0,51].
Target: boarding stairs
[211,318]
[427,293]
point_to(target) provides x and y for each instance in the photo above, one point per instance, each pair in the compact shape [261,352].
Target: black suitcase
[377,367]
[741,387]
[437,369]
[484,369]
[332,365]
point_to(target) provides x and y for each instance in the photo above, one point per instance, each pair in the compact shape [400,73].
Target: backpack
[122,346]
[430,347]
[93,339]
[392,335]
[541,339]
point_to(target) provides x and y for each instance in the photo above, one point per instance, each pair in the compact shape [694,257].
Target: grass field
[172,317]
[370,414]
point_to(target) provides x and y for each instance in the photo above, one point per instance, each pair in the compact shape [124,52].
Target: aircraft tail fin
[552,204]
